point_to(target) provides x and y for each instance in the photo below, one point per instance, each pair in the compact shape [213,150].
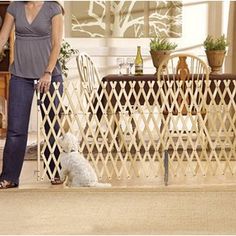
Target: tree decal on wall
[126,19]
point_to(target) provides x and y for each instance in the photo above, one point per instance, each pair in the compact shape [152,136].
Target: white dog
[74,166]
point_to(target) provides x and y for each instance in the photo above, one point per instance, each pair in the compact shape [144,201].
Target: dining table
[118,82]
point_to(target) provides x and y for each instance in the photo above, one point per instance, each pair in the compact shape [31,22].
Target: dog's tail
[102,185]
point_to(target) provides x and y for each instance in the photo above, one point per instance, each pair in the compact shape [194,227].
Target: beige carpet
[118,211]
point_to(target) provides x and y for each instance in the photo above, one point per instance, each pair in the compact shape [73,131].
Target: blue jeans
[21,93]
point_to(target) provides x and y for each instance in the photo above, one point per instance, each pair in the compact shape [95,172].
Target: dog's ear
[64,143]
[74,143]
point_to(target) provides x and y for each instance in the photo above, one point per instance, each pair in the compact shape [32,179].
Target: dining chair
[88,72]
[90,81]
[182,78]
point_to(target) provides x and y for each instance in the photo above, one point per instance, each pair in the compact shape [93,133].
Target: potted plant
[160,49]
[215,50]
[65,55]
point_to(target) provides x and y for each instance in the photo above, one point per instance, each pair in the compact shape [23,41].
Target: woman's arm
[6,30]
[57,30]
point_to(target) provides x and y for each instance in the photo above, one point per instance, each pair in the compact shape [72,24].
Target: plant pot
[215,60]
[158,57]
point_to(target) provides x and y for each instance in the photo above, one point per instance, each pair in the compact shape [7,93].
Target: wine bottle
[138,62]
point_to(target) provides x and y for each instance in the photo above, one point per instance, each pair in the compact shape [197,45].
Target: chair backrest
[184,76]
[87,71]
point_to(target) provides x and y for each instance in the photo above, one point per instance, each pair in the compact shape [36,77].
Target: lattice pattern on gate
[123,131]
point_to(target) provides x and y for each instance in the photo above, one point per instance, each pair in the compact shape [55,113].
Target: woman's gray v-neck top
[33,41]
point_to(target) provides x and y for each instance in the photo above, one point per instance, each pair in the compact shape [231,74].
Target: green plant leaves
[65,54]
[161,44]
[215,44]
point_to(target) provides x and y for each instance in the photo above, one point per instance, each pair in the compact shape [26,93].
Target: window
[125,19]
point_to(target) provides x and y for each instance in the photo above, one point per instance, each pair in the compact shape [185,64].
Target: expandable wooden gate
[124,132]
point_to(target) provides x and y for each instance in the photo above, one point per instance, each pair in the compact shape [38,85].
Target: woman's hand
[44,83]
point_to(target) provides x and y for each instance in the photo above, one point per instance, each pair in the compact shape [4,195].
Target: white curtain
[231,59]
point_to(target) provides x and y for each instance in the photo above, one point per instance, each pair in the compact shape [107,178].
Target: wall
[200,18]
[105,51]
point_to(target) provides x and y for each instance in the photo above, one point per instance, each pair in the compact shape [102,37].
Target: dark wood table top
[151,77]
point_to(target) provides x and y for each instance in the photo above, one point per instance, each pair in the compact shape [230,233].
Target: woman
[38,31]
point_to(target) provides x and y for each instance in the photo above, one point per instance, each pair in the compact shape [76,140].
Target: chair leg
[166,167]
[204,146]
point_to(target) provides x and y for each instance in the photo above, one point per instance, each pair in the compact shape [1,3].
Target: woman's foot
[4,184]
[56,181]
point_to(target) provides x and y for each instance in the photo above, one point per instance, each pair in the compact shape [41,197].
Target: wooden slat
[128,139]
